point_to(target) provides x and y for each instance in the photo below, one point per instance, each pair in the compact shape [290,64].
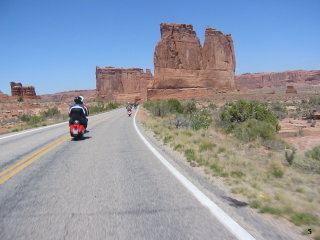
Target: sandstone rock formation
[276,79]
[181,63]
[18,90]
[291,89]
[122,84]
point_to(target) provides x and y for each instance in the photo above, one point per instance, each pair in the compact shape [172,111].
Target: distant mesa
[17,90]
[277,79]
[68,96]
[183,68]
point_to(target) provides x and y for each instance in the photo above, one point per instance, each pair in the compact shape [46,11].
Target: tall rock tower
[182,64]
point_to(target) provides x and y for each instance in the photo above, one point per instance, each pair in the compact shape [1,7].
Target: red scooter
[129,112]
[76,129]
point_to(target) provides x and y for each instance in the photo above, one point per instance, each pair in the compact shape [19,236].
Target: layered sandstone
[182,63]
[277,79]
[122,84]
[17,90]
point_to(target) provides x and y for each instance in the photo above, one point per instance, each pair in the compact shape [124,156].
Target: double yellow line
[14,169]
[17,167]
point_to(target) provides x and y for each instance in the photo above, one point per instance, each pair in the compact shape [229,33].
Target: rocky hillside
[69,95]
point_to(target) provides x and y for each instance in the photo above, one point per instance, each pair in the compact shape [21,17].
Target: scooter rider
[78,111]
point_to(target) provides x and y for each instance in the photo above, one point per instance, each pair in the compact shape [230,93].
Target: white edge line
[54,125]
[224,218]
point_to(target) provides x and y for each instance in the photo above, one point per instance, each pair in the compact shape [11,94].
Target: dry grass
[263,176]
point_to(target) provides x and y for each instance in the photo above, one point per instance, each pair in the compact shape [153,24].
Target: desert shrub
[253,129]
[112,105]
[20,99]
[175,106]
[314,101]
[279,110]
[190,107]
[178,147]
[167,139]
[314,153]
[180,121]
[276,170]
[233,114]
[237,174]
[206,146]
[160,108]
[304,219]
[51,112]
[190,155]
[149,105]
[272,210]
[201,119]
[212,106]
[255,204]
[290,156]
[24,117]
[274,144]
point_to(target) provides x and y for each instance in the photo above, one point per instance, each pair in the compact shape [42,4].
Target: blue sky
[55,45]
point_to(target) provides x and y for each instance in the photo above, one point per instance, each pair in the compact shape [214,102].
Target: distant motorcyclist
[129,106]
[78,111]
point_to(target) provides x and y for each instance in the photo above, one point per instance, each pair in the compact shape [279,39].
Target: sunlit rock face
[122,84]
[181,62]
[17,90]
[277,79]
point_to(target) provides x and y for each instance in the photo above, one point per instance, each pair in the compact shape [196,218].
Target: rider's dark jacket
[78,112]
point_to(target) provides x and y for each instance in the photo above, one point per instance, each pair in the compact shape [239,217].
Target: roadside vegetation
[52,115]
[239,143]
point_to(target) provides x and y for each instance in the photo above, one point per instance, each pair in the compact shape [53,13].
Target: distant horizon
[55,46]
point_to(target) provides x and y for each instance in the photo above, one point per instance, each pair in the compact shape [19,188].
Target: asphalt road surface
[108,185]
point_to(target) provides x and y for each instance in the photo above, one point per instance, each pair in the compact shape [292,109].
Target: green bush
[290,156]
[279,110]
[190,155]
[25,117]
[314,153]
[205,146]
[112,105]
[174,106]
[272,210]
[236,113]
[51,112]
[190,107]
[158,108]
[253,129]
[304,219]
[201,119]
[31,119]
[314,101]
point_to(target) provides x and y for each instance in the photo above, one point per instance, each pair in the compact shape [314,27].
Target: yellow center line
[17,167]
[30,156]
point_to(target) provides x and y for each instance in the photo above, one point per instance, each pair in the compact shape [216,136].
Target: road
[108,185]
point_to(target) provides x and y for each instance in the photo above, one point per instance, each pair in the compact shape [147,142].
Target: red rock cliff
[122,84]
[180,61]
[24,91]
[277,79]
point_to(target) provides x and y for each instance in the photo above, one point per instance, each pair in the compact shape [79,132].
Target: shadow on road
[80,138]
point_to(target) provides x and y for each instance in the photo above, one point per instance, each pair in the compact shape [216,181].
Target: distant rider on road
[78,111]
[129,106]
